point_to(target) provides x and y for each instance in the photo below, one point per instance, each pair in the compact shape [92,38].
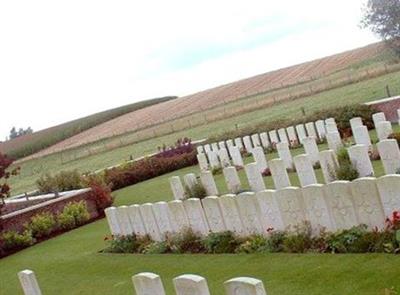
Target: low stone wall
[389,106]
[17,219]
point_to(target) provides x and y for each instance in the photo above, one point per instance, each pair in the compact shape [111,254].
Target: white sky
[60,60]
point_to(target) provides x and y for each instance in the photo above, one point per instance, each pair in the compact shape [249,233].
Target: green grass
[72,264]
[355,93]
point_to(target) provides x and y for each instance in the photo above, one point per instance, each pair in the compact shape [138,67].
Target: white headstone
[244,286]
[224,157]
[383,130]
[273,136]
[293,140]
[221,145]
[239,143]
[285,155]
[213,160]
[330,120]
[236,156]
[214,147]
[208,182]
[249,212]
[196,216]
[149,220]
[203,163]
[29,283]
[282,135]
[316,208]
[389,191]
[212,210]
[177,188]
[255,138]
[229,143]
[137,220]
[334,141]
[177,213]
[354,123]
[311,149]
[378,117]
[190,180]
[232,180]
[231,214]
[321,131]
[301,132]
[161,214]
[124,221]
[291,205]
[200,149]
[359,157]
[254,177]
[270,214]
[265,140]
[331,127]
[311,132]
[207,148]
[361,136]
[147,283]
[191,285]
[367,202]
[390,155]
[113,222]
[247,143]
[340,204]
[329,165]
[304,169]
[279,174]
[259,158]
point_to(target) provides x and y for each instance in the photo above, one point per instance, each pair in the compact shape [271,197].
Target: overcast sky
[60,60]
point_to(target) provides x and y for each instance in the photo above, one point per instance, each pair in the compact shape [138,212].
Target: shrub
[41,225]
[188,242]
[216,171]
[73,215]
[266,172]
[300,241]
[62,181]
[346,171]
[100,193]
[5,174]
[395,135]
[275,241]
[374,155]
[13,240]
[224,242]
[182,146]
[147,168]
[253,244]
[123,244]
[196,191]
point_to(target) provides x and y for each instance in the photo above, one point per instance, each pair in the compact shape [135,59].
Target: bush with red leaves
[5,174]
[147,168]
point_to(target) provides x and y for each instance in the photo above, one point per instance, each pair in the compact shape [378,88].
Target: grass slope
[355,93]
[31,143]
[72,264]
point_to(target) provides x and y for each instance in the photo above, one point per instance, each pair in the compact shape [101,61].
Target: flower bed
[355,240]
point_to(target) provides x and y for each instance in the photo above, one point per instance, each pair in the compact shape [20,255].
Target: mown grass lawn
[72,264]
[355,93]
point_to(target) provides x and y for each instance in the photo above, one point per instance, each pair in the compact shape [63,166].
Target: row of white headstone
[388,150]
[215,155]
[226,153]
[335,206]
[147,283]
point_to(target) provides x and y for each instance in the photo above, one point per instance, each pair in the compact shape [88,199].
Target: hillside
[31,143]
[279,79]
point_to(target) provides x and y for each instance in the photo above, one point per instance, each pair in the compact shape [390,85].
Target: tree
[14,133]
[382,17]
[5,174]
